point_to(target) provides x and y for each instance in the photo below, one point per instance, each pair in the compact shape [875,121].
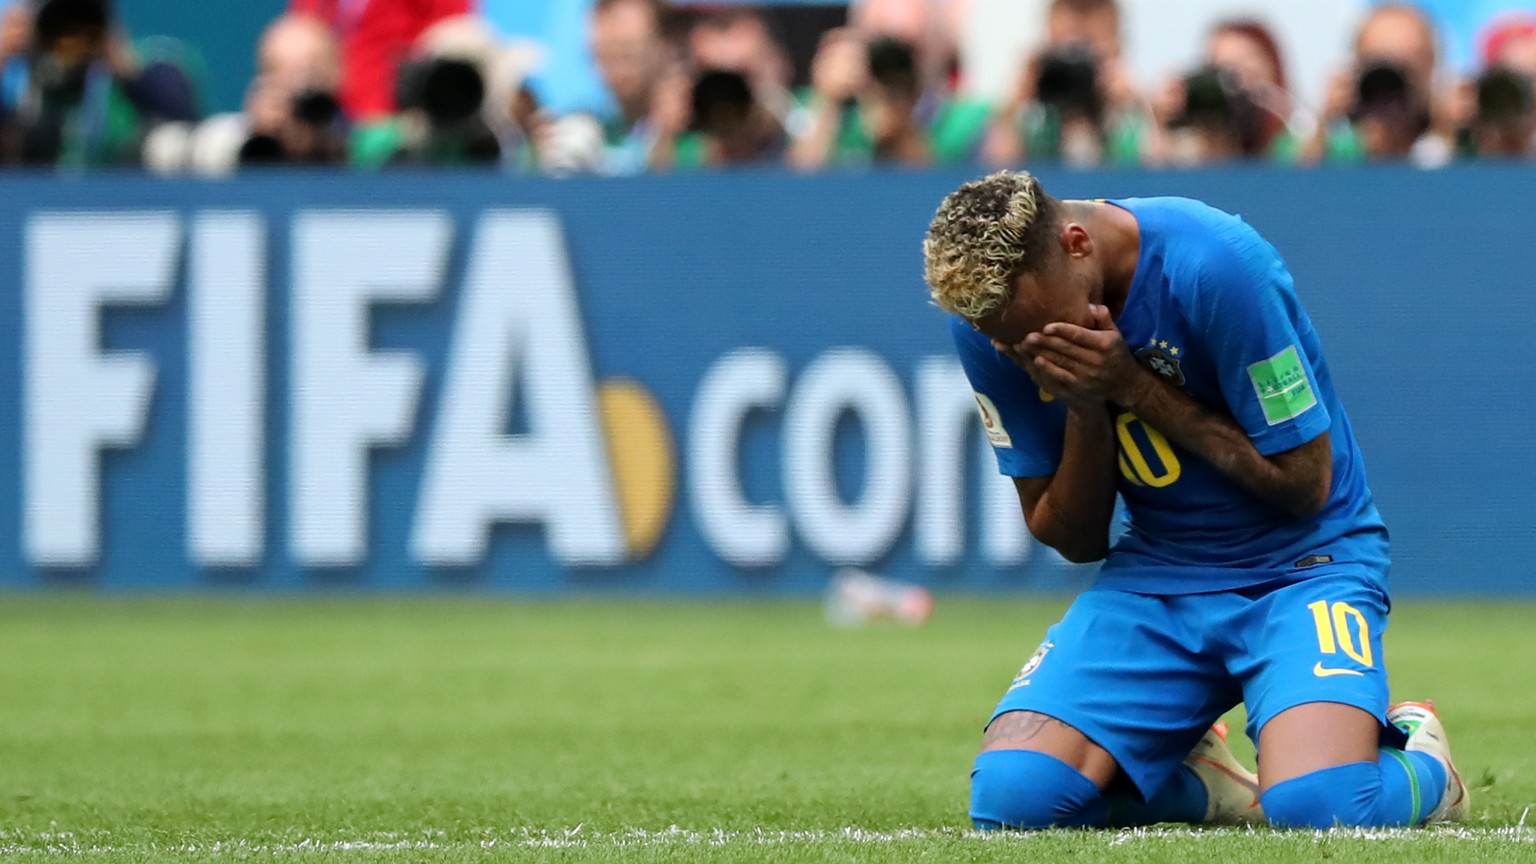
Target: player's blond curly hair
[983,236]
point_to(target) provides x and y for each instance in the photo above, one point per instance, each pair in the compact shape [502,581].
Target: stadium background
[720,384]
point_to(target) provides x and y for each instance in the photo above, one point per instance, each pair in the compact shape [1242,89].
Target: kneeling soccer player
[1156,348]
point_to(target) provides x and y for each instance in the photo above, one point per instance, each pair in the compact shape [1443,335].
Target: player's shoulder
[967,338]
[1172,209]
[1189,228]
[1203,247]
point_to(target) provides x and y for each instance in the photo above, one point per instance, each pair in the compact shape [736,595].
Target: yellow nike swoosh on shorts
[1322,671]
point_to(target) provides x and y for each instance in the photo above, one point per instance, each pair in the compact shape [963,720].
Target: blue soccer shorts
[1143,676]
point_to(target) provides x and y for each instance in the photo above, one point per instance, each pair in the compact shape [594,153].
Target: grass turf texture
[397,730]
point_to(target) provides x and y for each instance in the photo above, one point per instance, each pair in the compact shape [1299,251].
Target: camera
[1382,88]
[1069,81]
[893,66]
[1503,96]
[316,108]
[721,101]
[1214,99]
[447,90]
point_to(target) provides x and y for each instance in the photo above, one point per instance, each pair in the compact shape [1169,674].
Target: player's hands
[1083,364]
[1024,358]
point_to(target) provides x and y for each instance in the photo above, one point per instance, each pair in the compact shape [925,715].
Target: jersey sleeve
[1019,425]
[1257,336]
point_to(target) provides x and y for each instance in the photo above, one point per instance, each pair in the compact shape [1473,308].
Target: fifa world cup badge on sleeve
[1285,391]
[993,422]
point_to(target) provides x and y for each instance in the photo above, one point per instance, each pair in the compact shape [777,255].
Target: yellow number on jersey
[1133,463]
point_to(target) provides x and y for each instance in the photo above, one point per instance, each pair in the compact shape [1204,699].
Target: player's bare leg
[1035,771]
[1321,766]
[1027,730]
[1312,737]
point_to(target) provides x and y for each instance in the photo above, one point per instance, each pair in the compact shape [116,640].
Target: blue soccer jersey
[1212,309]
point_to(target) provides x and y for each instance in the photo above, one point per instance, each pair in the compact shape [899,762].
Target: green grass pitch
[453,729]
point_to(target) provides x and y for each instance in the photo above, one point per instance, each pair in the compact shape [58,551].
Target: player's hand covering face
[1082,365]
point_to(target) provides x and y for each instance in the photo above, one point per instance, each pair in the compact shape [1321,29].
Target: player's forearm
[1219,440]
[1073,515]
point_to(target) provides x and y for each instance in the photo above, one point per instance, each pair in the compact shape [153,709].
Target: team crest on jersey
[1162,357]
[1022,679]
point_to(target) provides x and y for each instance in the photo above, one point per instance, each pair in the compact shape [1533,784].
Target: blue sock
[1182,799]
[1412,783]
[1399,789]
[1023,789]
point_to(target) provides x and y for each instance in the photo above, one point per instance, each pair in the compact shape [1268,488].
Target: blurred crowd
[381,83]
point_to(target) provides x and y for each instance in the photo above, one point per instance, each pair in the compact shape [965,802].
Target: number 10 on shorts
[1334,630]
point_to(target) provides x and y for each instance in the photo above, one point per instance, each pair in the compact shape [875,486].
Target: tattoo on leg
[1018,727]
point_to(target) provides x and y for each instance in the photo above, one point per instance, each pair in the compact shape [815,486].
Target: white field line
[67,843]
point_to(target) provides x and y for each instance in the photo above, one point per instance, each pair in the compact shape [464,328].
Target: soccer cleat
[1232,791]
[1427,734]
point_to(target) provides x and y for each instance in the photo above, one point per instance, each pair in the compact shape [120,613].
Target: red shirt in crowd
[376,35]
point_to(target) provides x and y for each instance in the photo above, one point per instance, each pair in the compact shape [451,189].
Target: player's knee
[1342,796]
[1023,789]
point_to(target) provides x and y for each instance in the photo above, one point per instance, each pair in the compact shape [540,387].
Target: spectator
[953,121]
[291,113]
[737,39]
[376,36]
[1074,102]
[1510,43]
[1236,106]
[634,60]
[1382,107]
[1250,50]
[864,105]
[458,95]
[1505,123]
[84,95]
[731,127]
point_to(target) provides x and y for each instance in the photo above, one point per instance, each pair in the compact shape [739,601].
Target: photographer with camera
[1235,106]
[1384,106]
[445,94]
[1503,125]
[292,115]
[1215,121]
[643,73]
[729,125]
[1075,102]
[87,96]
[863,106]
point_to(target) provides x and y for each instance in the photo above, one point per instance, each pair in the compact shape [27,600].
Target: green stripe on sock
[1413,781]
